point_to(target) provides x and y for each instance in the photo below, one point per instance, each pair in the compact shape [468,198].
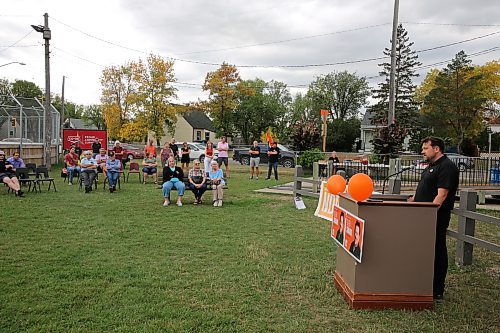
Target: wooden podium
[397,266]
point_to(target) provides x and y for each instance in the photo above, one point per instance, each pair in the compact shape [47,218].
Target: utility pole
[46,104]
[391,117]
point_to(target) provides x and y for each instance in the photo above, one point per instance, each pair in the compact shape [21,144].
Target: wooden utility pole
[324,114]
[391,117]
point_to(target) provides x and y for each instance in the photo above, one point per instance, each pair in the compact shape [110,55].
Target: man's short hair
[435,142]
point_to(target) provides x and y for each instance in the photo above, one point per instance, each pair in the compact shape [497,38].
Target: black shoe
[110,190]
[19,194]
[88,189]
[438,297]
[114,188]
[268,178]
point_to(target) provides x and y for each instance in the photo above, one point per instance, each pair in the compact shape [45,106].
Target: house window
[207,136]
[198,135]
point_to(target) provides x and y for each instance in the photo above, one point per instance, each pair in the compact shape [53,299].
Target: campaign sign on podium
[348,231]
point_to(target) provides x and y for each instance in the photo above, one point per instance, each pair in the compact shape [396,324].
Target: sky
[261,38]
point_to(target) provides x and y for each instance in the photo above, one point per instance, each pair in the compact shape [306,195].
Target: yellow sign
[326,203]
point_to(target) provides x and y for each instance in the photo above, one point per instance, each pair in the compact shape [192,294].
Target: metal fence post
[297,184]
[466,226]
[315,177]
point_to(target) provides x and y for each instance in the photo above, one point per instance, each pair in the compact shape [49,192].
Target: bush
[307,158]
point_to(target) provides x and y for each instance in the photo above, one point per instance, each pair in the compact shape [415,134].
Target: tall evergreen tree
[406,109]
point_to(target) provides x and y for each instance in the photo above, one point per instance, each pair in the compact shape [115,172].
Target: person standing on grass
[113,167]
[254,160]
[197,181]
[172,177]
[8,175]
[223,148]
[175,149]
[165,153]
[149,167]
[72,160]
[438,184]
[217,179]
[96,147]
[185,159]
[209,156]
[274,155]
[150,148]
[89,171]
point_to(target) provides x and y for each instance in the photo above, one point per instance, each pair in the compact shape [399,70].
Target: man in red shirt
[71,159]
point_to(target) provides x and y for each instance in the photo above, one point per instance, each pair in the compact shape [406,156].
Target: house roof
[199,120]
[79,124]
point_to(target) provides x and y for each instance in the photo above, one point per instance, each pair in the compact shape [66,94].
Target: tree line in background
[455,102]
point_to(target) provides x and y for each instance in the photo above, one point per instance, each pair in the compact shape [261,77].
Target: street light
[13,62]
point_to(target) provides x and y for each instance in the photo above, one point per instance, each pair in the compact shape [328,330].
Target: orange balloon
[360,187]
[336,184]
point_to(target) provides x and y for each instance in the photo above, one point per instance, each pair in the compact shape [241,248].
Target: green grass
[75,262]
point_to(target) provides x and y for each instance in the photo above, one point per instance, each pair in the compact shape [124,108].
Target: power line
[20,39]
[276,66]
[453,24]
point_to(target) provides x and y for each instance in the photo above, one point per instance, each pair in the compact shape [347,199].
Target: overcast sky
[90,35]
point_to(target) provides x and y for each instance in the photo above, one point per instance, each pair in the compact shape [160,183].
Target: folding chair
[134,168]
[23,176]
[80,185]
[31,168]
[42,175]
[106,180]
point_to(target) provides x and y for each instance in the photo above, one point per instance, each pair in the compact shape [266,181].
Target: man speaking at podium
[438,184]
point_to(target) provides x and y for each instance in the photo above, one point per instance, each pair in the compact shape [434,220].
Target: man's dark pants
[441,252]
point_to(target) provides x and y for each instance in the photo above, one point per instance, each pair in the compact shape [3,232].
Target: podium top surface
[388,200]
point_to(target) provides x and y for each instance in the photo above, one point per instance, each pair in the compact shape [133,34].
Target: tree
[92,115]
[120,87]
[261,105]
[342,134]
[305,134]
[154,93]
[27,89]
[457,102]
[406,109]
[71,110]
[222,86]
[342,93]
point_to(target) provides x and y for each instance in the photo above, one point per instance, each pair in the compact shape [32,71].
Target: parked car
[462,162]
[130,151]
[287,157]
[197,150]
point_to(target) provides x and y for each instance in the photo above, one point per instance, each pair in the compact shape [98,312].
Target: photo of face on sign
[353,240]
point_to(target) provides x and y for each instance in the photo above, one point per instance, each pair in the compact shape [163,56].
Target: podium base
[382,301]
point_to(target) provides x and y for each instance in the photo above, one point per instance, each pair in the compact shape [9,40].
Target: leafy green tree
[305,134]
[92,115]
[342,93]
[71,110]
[457,103]
[406,109]
[342,134]
[27,89]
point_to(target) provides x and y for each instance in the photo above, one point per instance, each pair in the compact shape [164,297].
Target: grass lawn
[99,262]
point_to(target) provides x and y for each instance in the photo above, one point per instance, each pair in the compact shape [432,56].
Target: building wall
[183,132]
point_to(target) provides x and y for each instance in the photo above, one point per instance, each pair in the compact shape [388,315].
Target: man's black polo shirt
[443,173]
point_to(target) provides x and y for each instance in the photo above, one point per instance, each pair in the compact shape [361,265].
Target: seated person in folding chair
[197,181]
[89,170]
[149,166]
[101,160]
[16,161]
[217,178]
[8,175]
[113,167]
[172,177]
[71,159]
